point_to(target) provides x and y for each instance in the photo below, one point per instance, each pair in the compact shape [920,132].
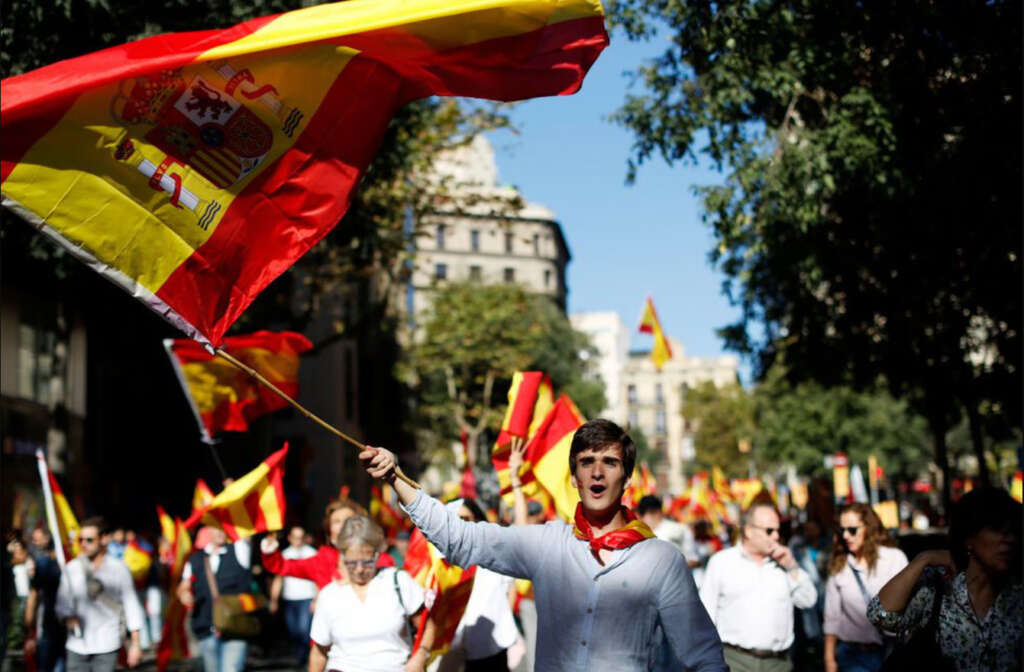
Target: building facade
[490,234]
[654,401]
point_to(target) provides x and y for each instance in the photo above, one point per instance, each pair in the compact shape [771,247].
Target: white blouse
[370,635]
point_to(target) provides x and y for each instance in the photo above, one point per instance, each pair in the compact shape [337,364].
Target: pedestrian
[705,544]
[603,585]
[219,568]
[976,586]
[750,591]
[294,597]
[863,560]
[320,568]
[45,632]
[487,628]
[812,552]
[361,621]
[95,591]
[22,567]
[651,511]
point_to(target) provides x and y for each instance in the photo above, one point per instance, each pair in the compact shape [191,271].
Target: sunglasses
[87,540]
[852,531]
[768,530]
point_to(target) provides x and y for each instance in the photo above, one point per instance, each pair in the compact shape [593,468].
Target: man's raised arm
[507,550]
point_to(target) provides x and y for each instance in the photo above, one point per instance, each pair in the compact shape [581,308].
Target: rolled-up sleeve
[805,595]
[133,616]
[833,607]
[506,550]
[686,624]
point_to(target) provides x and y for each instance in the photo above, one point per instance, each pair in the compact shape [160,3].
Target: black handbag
[922,651]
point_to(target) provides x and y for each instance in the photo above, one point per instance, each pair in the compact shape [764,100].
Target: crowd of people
[616,589]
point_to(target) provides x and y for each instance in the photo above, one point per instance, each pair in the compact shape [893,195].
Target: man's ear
[572,479]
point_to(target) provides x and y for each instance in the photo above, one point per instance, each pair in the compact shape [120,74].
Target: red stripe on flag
[252,507]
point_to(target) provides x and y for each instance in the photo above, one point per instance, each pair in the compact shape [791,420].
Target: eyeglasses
[368,563]
[852,531]
[767,530]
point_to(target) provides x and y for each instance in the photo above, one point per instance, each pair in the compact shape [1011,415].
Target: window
[536,244]
[547,278]
[659,395]
[659,421]
[634,419]
[476,273]
[440,237]
[631,394]
[509,240]
[441,271]
[510,274]
[474,240]
[36,365]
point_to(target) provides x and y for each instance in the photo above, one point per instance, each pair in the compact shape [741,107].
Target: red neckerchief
[633,532]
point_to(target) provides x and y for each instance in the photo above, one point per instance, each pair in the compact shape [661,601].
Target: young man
[295,596]
[603,586]
[750,591]
[94,589]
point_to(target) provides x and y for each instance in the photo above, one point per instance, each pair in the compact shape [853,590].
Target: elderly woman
[361,622]
[862,562]
[980,598]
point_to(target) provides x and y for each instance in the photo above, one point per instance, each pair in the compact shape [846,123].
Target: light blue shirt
[589,616]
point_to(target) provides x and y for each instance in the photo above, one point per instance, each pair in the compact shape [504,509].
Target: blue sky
[626,241]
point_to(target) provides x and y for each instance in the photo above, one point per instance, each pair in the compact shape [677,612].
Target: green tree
[474,338]
[869,223]
[722,417]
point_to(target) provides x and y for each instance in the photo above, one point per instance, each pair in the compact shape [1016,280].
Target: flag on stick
[63,524]
[192,169]
[254,503]
[201,497]
[173,638]
[224,398]
[548,453]
[649,324]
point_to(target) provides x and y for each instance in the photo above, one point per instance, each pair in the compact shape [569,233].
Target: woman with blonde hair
[361,621]
[863,561]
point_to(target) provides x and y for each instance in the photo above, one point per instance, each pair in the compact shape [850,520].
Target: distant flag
[840,476]
[641,484]
[1016,489]
[382,511]
[548,453]
[224,398]
[201,496]
[530,397]
[649,324]
[253,503]
[63,524]
[192,169]
[720,484]
[174,638]
[448,589]
[166,524]
[138,558]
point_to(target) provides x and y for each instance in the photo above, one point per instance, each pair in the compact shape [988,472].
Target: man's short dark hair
[748,514]
[597,434]
[648,504]
[100,523]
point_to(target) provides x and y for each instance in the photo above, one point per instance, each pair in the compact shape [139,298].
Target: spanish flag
[384,513]
[530,398]
[222,397]
[450,586]
[721,486]
[201,496]
[166,524]
[548,453]
[649,324]
[642,483]
[192,169]
[254,503]
[63,524]
[139,559]
[173,638]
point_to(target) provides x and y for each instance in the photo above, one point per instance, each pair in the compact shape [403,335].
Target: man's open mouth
[597,489]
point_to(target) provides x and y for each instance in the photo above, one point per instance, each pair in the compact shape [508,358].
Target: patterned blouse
[992,644]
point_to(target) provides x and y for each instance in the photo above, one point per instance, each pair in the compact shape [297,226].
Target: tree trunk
[977,440]
[939,426]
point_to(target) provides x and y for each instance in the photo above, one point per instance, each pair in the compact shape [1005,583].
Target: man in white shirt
[296,595]
[94,590]
[650,510]
[750,590]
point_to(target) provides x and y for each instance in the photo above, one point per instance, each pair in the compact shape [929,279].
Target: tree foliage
[870,220]
[722,416]
[474,338]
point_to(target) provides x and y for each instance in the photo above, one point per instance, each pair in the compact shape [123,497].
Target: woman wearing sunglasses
[863,561]
[361,621]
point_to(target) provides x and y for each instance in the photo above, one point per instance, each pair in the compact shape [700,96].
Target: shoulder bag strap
[209,577]
[401,602]
[860,584]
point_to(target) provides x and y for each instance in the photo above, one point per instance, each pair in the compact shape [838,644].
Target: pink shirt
[845,607]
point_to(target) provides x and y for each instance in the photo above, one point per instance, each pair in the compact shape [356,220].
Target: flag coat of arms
[192,169]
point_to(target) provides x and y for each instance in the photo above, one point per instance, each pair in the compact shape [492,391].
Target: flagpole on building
[51,510]
[309,414]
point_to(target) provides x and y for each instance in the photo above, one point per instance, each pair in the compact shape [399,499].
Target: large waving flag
[650,324]
[192,169]
[224,398]
[448,588]
[530,398]
[254,503]
[174,638]
[548,453]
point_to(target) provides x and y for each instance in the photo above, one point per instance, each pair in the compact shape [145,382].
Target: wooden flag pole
[309,414]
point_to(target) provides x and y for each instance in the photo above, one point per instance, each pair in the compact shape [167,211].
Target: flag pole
[51,510]
[309,414]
